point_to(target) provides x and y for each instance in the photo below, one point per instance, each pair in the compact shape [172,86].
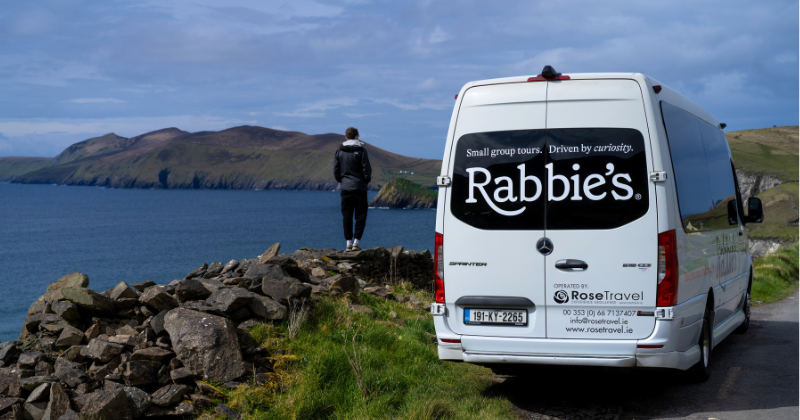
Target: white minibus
[588,219]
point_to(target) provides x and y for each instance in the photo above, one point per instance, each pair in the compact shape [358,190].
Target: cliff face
[245,157]
[403,194]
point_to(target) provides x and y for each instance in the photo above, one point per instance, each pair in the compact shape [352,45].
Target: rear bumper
[671,345]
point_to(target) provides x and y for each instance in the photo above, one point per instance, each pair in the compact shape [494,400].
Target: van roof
[667,94]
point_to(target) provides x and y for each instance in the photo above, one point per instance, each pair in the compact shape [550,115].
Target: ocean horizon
[134,235]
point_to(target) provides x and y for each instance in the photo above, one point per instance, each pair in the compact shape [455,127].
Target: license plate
[513,317]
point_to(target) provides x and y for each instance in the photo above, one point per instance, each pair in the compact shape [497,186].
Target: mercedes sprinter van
[588,219]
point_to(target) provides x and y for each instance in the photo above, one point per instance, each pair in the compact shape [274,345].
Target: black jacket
[351,166]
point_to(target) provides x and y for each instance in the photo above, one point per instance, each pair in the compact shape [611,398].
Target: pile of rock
[147,350]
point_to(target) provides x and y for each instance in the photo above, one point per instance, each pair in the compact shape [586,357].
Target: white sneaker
[356,247]
[349,247]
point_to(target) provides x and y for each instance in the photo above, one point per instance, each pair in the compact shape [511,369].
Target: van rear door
[601,212]
[490,225]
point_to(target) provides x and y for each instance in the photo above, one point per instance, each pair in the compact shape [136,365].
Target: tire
[701,371]
[741,329]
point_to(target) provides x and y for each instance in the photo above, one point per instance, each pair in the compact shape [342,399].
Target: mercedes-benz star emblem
[545,246]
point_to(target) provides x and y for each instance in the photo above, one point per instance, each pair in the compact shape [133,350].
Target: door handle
[571,265]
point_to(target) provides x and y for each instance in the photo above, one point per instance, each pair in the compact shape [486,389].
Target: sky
[72,70]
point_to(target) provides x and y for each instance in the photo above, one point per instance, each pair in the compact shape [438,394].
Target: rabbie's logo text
[529,187]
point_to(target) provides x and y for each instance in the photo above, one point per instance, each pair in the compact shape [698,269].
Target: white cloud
[412,107]
[327,104]
[96,100]
[439,35]
[787,57]
[279,127]
[361,115]
[427,84]
[125,126]
[301,114]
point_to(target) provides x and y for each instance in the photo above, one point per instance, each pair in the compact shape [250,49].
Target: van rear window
[576,178]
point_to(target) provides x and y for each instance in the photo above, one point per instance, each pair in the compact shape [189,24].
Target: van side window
[689,165]
[720,178]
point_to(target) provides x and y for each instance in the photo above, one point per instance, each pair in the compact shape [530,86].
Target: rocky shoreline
[144,350]
[404,194]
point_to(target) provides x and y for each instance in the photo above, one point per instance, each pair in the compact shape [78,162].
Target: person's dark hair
[351,133]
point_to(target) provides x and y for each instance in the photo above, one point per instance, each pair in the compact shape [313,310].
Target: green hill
[768,151]
[15,166]
[404,194]
[245,157]
[765,157]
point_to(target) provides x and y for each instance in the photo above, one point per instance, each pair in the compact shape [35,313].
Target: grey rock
[70,336]
[319,273]
[269,253]
[9,383]
[266,308]
[70,280]
[212,284]
[32,323]
[290,266]
[230,300]
[361,309]
[155,354]
[182,376]
[285,289]
[122,290]
[230,266]
[156,297]
[87,299]
[206,344]
[58,404]
[138,400]
[126,303]
[157,323]
[34,411]
[198,272]
[191,290]
[43,368]
[169,395]
[181,410]
[39,393]
[66,310]
[69,415]
[345,284]
[8,353]
[140,372]
[380,292]
[52,323]
[10,408]
[203,306]
[101,351]
[226,411]
[30,359]
[257,271]
[105,405]
[141,286]
[92,332]
[72,377]
[73,354]
[213,270]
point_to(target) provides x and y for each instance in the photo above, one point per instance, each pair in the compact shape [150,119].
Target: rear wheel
[746,308]
[701,371]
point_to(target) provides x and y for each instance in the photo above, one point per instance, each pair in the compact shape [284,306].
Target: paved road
[755,376]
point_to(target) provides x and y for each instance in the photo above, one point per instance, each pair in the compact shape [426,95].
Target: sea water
[116,235]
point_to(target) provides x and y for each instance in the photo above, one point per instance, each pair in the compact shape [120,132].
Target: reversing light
[667,291]
[657,88]
[438,268]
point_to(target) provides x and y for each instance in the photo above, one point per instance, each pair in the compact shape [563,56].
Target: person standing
[351,168]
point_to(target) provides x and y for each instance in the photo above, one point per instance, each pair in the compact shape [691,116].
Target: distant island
[404,194]
[245,157]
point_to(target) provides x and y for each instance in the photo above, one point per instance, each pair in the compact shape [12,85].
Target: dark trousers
[354,203]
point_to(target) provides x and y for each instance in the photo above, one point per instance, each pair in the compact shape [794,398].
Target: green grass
[775,275]
[402,375]
[770,151]
[16,166]
[778,213]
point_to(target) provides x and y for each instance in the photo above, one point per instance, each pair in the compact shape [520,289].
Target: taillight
[667,293]
[438,269]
